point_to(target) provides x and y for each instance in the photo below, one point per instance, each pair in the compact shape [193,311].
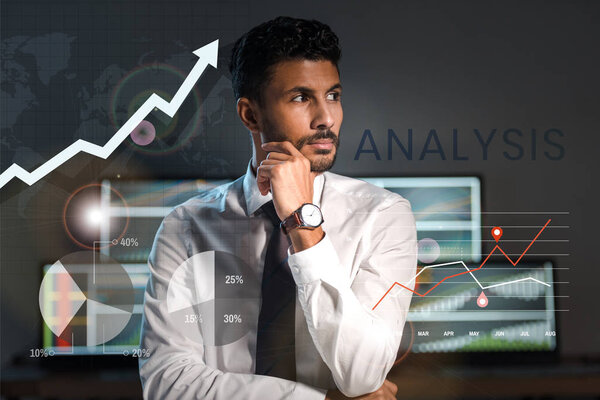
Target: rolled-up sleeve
[176,368]
[358,342]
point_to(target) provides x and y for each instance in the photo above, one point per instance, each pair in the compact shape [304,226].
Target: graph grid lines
[469,271]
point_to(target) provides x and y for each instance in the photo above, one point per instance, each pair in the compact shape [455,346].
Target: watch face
[311,215]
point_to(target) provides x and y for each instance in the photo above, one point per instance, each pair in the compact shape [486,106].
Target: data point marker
[497,233]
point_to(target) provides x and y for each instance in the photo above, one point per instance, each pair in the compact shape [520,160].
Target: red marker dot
[482,300]
[497,233]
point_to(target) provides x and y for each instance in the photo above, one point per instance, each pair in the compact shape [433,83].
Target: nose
[323,116]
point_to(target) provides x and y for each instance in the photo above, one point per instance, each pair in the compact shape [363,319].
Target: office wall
[513,73]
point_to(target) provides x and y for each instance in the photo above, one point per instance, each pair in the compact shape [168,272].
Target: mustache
[325,134]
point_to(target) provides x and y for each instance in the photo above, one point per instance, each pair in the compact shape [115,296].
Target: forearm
[358,342]
[176,369]
[303,239]
[191,379]
[358,346]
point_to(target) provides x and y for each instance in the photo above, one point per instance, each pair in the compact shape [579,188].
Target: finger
[263,178]
[391,386]
[386,393]
[274,155]
[264,186]
[382,393]
[271,162]
[282,147]
[272,169]
[265,170]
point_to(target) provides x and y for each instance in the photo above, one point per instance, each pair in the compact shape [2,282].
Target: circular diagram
[213,298]
[86,298]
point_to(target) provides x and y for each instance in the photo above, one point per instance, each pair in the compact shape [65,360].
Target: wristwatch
[307,216]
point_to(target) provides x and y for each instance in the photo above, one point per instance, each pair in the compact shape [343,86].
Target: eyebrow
[309,90]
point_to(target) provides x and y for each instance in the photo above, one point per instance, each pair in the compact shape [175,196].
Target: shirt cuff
[318,262]
[303,391]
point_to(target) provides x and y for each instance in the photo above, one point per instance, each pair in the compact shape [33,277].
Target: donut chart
[86,298]
[213,298]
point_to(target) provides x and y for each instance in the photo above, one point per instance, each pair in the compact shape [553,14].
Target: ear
[249,114]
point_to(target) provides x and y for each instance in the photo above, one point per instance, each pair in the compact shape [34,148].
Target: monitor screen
[513,312]
[518,316]
[93,308]
[447,213]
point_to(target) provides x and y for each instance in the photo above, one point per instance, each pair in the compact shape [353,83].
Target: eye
[333,96]
[300,98]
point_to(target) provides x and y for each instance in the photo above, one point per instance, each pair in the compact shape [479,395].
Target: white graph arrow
[207,55]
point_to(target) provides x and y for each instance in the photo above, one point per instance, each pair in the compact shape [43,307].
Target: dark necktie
[275,350]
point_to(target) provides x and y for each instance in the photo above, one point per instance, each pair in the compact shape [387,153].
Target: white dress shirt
[369,243]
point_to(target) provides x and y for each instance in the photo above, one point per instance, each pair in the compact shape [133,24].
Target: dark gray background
[417,65]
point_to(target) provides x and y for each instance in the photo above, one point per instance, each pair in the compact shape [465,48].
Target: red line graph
[497,247]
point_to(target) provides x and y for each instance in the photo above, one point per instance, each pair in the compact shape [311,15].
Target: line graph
[470,271]
[207,56]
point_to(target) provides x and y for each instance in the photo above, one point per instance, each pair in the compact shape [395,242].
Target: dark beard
[321,165]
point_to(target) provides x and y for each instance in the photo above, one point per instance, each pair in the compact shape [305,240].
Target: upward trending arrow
[206,54]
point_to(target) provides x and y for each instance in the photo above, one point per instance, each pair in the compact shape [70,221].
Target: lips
[325,144]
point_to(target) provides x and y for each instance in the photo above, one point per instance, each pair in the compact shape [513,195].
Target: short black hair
[280,39]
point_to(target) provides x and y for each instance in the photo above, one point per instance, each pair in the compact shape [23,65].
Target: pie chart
[86,298]
[213,298]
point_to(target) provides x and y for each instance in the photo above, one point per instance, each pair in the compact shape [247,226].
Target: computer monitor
[111,305]
[519,312]
[448,319]
[498,308]
[447,212]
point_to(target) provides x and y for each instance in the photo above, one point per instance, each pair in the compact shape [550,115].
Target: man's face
[302,104]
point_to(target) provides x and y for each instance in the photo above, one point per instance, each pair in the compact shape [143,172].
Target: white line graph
[473,276]
[207,56]
[470,271]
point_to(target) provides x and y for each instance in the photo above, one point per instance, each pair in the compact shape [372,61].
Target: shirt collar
[255,200]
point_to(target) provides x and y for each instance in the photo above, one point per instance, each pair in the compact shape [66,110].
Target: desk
[21,382]
[414,382]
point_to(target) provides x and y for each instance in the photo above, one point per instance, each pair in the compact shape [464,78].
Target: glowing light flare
[95,216]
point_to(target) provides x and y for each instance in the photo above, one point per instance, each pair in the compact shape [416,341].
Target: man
[324,248]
